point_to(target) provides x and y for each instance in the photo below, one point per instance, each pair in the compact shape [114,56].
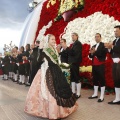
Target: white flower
[65,64]
[89,26]
[43,30]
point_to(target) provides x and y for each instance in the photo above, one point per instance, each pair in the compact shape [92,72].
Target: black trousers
[14,68]
[74,72]
[116,74]
[98,72]
[33,71]
[27,69]
[6,69]
[21,69]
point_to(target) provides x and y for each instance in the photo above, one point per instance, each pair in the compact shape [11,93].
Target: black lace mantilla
[58,85]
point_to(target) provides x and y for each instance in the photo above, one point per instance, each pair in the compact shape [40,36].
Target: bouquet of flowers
[64,66]
[66,71]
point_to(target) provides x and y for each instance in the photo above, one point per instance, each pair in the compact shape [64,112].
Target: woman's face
[13,50]
[52,41]
[21,49]
[26,47]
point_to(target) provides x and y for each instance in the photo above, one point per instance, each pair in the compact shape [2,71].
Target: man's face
[74,37]
[37,44]
[32,46]
[117,32]
[26,47]
[62,43]
[97,38]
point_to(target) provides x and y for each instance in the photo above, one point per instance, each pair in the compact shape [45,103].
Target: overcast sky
[12,17]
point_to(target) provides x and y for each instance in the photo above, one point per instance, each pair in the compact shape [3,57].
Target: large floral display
[86,17]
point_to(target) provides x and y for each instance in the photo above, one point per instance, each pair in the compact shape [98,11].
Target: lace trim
[69,102]
[44,68]
[52,58]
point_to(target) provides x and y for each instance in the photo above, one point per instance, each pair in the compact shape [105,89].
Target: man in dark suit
[98,54]
[26,63]
[114,49]
[34,56]
[63,51]
[74,59]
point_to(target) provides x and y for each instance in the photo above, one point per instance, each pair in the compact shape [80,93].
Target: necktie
[116,40]
[38,54]
[96,46]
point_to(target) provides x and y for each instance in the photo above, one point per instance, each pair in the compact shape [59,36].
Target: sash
[52,54]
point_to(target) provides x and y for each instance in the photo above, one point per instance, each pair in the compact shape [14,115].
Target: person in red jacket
[114,49]
[98,54]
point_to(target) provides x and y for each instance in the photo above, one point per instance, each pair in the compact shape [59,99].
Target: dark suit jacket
[6,60]
[75,53]
[100,53]
[115,52]
[64,55]
[26,53]
[19,57]
[34,56]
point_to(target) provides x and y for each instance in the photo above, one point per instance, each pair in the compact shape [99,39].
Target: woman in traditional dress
[6,65]
[21,67]
[14,66]
[50,95]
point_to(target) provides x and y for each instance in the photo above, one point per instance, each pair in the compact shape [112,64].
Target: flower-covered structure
[86,18]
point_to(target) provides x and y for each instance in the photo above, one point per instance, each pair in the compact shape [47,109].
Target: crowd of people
[20,65]
[98,54]
[50,95]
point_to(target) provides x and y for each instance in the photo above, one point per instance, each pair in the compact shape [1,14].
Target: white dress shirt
[97,46]
[115,60]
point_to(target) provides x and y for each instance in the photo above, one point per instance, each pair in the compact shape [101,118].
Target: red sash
[21,63]
[97,62]
[26,61]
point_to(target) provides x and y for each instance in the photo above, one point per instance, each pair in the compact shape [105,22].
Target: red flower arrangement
[108,71]
[110,7]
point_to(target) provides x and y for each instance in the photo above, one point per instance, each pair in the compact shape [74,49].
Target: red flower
[110,7]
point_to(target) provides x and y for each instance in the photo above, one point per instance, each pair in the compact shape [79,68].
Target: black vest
[116,49]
